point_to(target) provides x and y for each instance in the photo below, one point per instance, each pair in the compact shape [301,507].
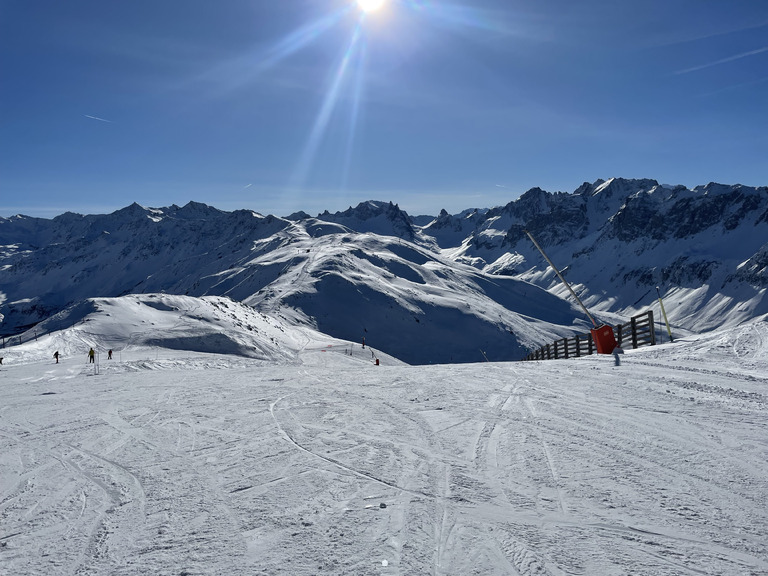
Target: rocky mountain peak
[374,216]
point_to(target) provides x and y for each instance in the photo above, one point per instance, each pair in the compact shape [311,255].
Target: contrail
[97,118]
[722,61]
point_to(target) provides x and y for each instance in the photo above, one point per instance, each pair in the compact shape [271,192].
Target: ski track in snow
[202,464]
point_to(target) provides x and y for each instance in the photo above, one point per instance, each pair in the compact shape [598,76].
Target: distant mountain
[448,288]
[619,239]
[402,297]
[49,264]
[377,217]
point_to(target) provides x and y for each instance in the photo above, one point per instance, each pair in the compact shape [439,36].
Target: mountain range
[425,289]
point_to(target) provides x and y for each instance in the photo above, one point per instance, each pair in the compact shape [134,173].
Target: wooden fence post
[634,332]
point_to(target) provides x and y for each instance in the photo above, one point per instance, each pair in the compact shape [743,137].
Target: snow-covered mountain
[400,295]
[49,264]
[617,240]
[457,288]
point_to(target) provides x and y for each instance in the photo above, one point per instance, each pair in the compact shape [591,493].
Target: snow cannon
[602,336]
[604,339]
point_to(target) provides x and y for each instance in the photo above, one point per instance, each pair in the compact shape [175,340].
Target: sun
[370,5]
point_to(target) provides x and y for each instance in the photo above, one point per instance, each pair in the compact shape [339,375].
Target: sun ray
[300,39]
[235,73]
[323,117]
[442,14]
[354,114]
[461,17]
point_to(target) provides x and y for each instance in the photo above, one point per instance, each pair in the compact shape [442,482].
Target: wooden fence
[639,331]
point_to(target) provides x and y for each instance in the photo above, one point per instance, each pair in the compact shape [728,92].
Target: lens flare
[370,5]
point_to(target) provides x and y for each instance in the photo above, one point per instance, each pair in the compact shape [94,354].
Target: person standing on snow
[91,354]
[56,355]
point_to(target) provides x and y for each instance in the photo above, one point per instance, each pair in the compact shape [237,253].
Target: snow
[306,458]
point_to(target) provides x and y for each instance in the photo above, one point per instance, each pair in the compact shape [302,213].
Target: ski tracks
[505,460]
[304,471]
[624,455]
[382,484]
[118,491]
[74,500]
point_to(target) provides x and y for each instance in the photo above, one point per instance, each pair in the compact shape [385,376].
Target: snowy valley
[335,394]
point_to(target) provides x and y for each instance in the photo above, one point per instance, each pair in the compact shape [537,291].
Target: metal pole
[663,313]
[562,279]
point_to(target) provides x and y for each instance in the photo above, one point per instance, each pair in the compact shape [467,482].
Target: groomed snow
[172,462]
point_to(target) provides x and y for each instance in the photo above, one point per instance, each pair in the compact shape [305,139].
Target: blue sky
[284,105]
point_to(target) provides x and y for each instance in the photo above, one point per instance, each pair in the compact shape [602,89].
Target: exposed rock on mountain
[378,217]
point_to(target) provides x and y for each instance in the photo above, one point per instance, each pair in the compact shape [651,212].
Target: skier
[1,360]
[91,355]
[109,354]
[56,355]
[616,357]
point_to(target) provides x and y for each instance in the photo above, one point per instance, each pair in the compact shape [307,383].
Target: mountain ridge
[615,240]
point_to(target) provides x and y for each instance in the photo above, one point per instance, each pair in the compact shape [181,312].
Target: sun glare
[370,5]
[347,84]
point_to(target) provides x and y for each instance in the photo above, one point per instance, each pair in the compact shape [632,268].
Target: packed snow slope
[212,324]
[166,461]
